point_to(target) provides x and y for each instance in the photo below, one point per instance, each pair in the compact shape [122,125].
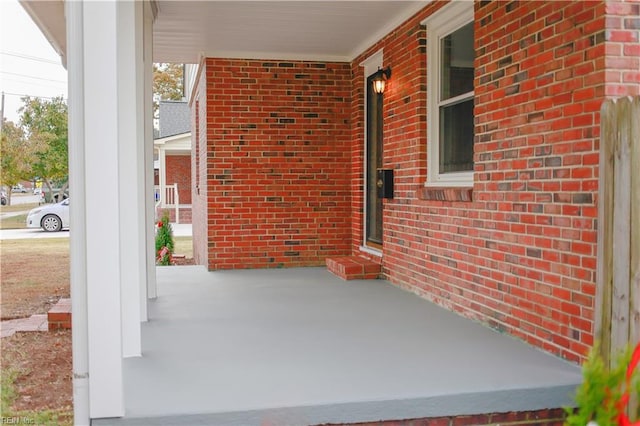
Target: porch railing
[169,198]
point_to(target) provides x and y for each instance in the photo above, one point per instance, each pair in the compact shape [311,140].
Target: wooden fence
[618,278]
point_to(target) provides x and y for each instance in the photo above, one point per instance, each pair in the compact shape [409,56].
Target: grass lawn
[35,274]
[18,208]
[14,222]
[183,246]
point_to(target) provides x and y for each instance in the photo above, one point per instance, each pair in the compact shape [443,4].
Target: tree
[44,123]
[17,155]
[168,83]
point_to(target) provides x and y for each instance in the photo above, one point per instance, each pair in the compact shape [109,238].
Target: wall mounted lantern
[380,79]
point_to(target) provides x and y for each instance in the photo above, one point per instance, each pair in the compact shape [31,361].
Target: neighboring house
[172,149]
[489,124]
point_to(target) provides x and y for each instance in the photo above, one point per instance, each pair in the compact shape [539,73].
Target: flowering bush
[164,242]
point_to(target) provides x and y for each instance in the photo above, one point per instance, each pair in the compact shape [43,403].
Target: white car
[51,218]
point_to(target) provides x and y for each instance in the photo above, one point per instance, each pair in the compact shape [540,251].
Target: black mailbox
[384,182]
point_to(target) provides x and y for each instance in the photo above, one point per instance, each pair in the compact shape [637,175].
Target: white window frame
[439,25]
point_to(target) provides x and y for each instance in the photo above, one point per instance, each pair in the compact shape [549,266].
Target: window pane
[457,62]
[456,137]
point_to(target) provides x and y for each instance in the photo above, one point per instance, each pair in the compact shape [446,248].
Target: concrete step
[354,268]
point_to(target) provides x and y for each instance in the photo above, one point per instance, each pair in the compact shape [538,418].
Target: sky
[28,63]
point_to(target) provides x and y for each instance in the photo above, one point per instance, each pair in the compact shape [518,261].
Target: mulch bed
[183,262]
[42,362]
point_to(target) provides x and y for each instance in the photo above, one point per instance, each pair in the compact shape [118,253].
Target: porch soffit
[185,31]
[49,17]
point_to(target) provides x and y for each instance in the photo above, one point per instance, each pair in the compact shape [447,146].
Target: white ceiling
[186,30]
[334,30]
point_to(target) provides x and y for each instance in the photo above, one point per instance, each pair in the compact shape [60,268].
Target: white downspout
[78,272]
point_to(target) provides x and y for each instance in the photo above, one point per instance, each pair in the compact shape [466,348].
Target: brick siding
[277,162]
[178,170]
[622,47]
[521,256]
[547,417]
[184,214]
[285,153]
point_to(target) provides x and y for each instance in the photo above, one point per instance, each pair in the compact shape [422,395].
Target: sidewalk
[6,215]
[181,229]
[33,323]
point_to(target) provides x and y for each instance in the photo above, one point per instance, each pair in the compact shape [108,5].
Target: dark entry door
[373,227]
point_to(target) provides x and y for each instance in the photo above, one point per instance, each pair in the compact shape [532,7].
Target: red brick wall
[184,214]
[521,256]
[546,417]
[178,170]
[622,47]
[537,110]
[277,163]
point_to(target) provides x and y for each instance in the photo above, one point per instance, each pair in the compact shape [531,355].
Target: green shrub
[164,242]
[602,396]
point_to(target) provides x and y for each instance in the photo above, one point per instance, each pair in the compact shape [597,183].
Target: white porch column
[133,265]
[149,289]
[141,177]
[102,208]
[77,239]
[107,155]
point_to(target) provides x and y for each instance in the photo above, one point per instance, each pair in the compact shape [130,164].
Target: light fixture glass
[380,80]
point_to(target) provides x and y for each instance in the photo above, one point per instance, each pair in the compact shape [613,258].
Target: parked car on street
[51,218]
[3,198]
[19,188]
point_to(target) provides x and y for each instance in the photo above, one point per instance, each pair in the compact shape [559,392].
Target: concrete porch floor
[300,346]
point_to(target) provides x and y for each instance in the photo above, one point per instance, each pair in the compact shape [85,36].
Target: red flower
[160,224]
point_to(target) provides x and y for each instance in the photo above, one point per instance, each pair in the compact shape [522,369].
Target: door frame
[370,66]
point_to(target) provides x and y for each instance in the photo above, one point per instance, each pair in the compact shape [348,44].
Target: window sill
[444,193]
[371,250]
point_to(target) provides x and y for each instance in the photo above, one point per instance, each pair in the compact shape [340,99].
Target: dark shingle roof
[174,118]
